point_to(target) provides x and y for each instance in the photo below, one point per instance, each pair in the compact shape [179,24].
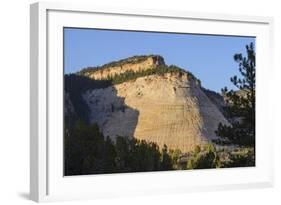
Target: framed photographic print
[129,101]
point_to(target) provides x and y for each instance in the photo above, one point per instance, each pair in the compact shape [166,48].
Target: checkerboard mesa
[144,98]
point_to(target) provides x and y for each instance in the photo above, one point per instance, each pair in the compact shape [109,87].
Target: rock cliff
[170,108]
[134,64]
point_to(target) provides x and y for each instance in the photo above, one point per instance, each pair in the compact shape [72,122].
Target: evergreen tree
[240,109]
[204,159]
[166,161]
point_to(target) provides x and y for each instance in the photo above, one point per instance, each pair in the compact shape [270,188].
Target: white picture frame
[47,182]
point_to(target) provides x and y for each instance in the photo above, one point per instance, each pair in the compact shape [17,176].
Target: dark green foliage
[131,60]
[237,134]
[88,152]
[204,159]
[242,159]
[197,150]
[166,161]
[137,155]
[241,104]
[176,159]
[159,70]
[211,157]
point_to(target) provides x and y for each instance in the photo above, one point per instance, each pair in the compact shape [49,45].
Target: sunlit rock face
[134,64]
[169,109]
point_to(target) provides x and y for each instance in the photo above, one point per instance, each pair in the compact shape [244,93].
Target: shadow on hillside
[106,107]
[74,86]
[210,111]
[113,115]
[98,112]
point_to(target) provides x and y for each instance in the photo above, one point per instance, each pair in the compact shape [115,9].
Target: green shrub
[159,70]
[242,158]
[205,159]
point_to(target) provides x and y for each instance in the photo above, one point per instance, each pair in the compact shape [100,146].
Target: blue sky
[208,57]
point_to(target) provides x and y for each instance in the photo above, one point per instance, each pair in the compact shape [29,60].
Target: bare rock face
[134,64]
[169,109]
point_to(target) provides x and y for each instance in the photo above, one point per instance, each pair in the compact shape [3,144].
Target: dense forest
[87,151]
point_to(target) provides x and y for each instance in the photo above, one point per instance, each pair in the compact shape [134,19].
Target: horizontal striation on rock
[167,109]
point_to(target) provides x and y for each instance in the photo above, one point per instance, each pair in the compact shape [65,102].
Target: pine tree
[166,161]
[240,109]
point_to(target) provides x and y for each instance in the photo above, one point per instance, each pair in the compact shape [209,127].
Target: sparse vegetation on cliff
[131,60]
[157,66]
[159,70]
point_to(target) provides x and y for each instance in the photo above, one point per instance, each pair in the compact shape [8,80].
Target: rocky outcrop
[216,98]
[134,64]
[169,109]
